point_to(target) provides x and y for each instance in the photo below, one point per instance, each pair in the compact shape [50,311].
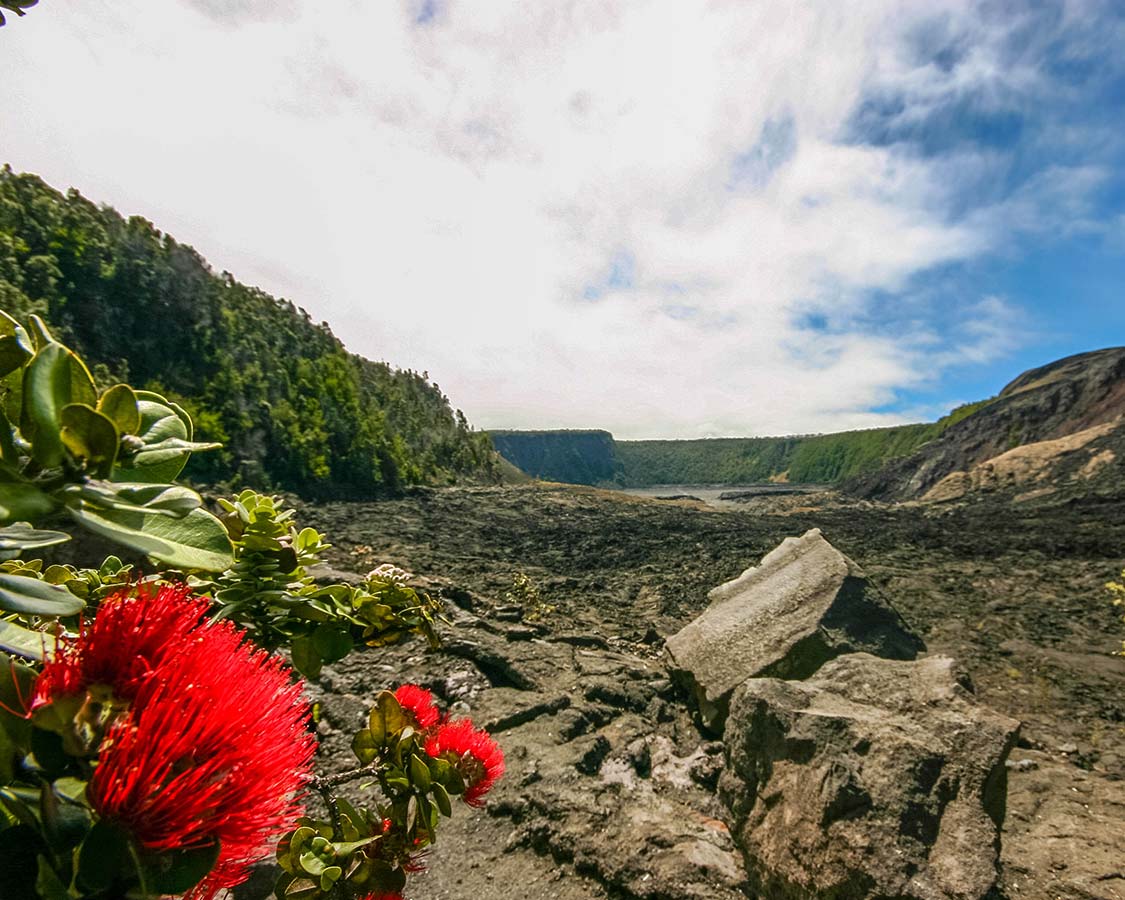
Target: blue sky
[1064,280]
[678,219]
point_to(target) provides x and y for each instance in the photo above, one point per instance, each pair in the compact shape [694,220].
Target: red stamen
[25,711]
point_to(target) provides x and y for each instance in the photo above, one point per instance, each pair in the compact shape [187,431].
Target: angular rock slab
[804,604]
[874,779]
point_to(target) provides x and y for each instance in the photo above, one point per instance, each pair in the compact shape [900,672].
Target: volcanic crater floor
[1014,590]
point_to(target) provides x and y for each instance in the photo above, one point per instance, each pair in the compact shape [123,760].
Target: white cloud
[444,192]
[992,328]
[236,12]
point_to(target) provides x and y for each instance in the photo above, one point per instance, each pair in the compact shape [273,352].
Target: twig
[322,783]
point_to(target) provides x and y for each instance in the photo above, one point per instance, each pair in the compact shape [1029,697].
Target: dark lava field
[1014,590]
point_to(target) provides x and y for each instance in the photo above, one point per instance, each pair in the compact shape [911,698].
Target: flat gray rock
[803,605]
[875,778]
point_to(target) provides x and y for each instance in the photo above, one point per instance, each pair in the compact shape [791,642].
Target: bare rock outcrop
[874,779]
[1029,466]
[805,604]
[1062,398]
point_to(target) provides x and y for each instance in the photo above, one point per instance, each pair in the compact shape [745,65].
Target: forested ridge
[292,408]
[801,459]
[595,457]
[576,456]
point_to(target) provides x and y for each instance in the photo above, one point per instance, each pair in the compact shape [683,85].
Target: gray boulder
[874,779]
[803,605]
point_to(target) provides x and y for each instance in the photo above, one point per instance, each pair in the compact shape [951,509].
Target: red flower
[419,703]
[129,637]
[213,745]
[381,897]
[478,758]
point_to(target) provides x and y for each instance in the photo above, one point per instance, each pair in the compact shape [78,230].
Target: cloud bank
[668,219]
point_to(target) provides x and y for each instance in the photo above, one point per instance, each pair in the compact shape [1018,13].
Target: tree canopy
[291,406]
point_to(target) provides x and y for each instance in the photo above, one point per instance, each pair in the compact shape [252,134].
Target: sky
[666,218]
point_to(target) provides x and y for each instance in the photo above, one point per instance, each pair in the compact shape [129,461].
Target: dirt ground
[1014,590]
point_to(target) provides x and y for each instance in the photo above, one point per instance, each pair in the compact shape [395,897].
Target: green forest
[594,457]
[292,408]
[805,459]
[583,456]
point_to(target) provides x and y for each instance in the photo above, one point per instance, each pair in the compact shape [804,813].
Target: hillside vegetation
[804,459]
[594,457]
[291,406]
[572,457]
[1065,398]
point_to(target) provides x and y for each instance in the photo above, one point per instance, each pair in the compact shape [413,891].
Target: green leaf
[329,877]
[11,391]
[64,822]
[32,597]
[170,449]
[386,718]
[168,499]
[453,783]
[14,354]
[15,730]
[311,863]
[350,814]
[23,641]
[22,536]
[306,658]
[179,871]
[46,387]
[102,856]
[439,769]
[55,378]
[195,541]
[161,420]
[14,801]
[419,773]
[119,404]
[308,537]
[364,746]
[48,885]
[178,411]
[16,347]
[346,848]
[300,838]
[40,335]
[332,642]
[9,453]
[290,846]
[441,798]
[297,889]
[89,436]
[111,565]
[73,789]
[82,387]
[20,502]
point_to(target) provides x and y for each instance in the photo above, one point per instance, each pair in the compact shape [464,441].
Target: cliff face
[1056,427]
[573,457]
[1040,407]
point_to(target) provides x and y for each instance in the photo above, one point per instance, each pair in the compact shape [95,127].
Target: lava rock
[875,778]
[803,605]
[593,756]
